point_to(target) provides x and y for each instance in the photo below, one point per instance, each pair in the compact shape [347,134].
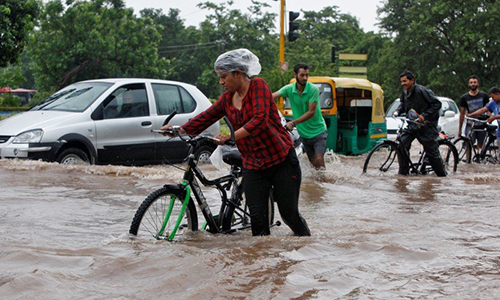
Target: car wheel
[73,156]
[203,154]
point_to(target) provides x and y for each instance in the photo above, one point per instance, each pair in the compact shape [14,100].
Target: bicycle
[170,211]
[388,154]
[468,153]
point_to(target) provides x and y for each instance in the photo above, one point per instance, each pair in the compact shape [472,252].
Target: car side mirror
[449,114]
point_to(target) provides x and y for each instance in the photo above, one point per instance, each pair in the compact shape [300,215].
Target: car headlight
[33,136]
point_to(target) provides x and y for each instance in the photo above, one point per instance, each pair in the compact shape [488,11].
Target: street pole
[282,32]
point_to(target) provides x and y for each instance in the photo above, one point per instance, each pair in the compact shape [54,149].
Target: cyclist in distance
[493,107]
[420,104]
[471,101]
[267,151]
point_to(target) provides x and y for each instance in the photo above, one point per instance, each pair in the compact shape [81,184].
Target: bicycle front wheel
[491,155]
[464,149]
[382,159]
[163,216]
[449,155]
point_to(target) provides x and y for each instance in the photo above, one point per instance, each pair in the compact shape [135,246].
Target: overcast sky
[364,10]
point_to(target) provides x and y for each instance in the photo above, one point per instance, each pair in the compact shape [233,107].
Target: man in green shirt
[304,100]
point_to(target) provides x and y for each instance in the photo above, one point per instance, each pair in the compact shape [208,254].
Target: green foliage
[444,42]
[11,76]
[93,39]
[9,100]
[17,19]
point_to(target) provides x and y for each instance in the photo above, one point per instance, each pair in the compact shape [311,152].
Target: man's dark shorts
[315,145]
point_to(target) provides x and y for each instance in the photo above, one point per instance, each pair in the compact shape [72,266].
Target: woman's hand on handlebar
[171,130]
[222,139]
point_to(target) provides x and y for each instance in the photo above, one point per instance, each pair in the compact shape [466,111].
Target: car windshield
[392,108]
[76,97]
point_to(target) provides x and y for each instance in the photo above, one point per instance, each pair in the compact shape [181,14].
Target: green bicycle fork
[169,212]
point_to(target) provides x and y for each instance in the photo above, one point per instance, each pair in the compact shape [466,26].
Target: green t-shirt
[300,105]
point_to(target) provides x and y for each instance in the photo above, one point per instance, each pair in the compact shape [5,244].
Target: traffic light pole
[282,32]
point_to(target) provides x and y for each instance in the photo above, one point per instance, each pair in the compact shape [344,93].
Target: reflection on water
[417,190]
[64,236]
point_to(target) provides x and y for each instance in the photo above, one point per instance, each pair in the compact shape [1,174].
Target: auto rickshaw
[353,110]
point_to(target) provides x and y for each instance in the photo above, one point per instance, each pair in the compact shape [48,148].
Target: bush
[9,100]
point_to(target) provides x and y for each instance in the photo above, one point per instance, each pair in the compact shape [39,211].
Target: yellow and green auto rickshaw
[353,110]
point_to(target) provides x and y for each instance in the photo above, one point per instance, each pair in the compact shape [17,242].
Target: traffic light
[292,26]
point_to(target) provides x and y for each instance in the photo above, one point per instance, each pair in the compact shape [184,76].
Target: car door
[454,122]
[124,130]
[170,97]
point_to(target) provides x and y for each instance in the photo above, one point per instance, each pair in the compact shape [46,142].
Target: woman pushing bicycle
[269,159]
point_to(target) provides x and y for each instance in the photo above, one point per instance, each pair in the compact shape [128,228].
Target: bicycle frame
[418,167]
[488,140]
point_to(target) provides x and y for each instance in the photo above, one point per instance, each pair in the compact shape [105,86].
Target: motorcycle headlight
[33,136]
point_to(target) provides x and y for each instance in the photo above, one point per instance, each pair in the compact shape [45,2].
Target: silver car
[106,121]
[448,118]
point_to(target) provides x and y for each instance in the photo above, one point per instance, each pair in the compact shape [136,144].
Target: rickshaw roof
[346,82]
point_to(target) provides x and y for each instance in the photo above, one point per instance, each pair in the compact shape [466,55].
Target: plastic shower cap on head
[238,60]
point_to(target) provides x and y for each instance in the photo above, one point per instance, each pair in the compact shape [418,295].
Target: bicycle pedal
[278,223]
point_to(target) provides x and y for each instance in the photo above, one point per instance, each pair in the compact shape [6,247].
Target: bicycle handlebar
[476,120]
[169,117]
[405,119]
[175,131]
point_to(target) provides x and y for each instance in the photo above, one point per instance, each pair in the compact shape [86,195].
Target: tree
[96,39]
[233,29]
[444,41]
[319,31]
[17,19]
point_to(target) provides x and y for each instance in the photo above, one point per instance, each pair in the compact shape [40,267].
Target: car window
[187,101]
[127,101]
[392,108]
[445,105]
[453,106]
[171,97]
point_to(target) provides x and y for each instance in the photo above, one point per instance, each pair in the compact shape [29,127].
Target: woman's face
[229,80]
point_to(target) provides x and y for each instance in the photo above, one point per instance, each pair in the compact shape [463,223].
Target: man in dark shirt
[426,105]
[469,103]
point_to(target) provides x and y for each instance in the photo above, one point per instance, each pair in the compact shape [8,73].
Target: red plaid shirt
[268,143]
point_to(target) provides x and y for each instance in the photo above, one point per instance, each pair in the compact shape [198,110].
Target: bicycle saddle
[232,158]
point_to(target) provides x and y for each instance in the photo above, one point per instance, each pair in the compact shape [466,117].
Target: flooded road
[65,236]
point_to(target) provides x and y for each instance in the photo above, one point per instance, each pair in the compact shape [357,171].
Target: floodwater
[64,235]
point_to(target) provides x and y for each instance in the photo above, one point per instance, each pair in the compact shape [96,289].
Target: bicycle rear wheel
[382,160]
[162,216]
[237,214]
[449,155]
[464,149]
[491,155]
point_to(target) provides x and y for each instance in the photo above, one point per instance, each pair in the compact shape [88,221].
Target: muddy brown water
[64,235]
